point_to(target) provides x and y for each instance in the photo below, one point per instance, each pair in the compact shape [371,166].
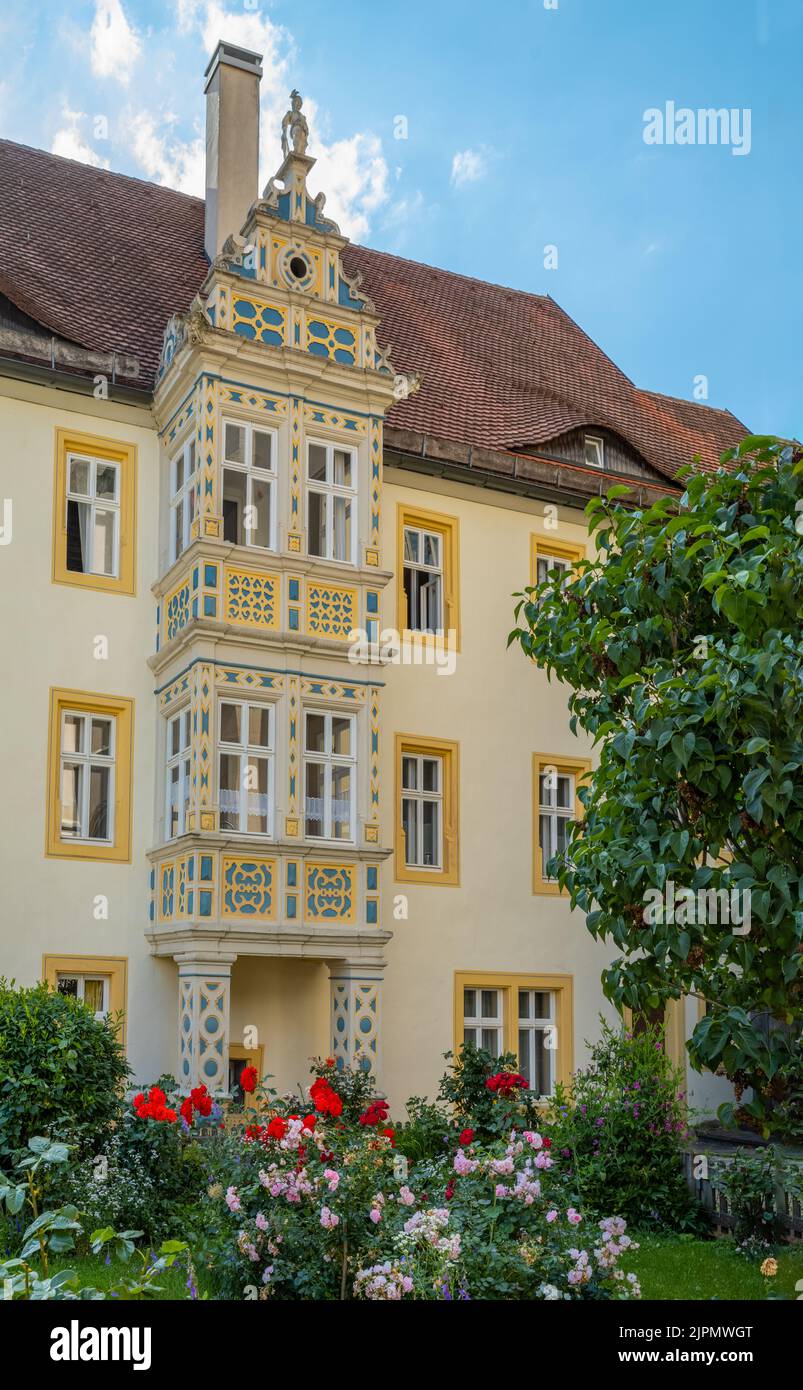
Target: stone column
[204,990]
[355,1015]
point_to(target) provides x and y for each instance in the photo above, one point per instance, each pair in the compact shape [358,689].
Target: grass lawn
[672,1267]
[94,1270]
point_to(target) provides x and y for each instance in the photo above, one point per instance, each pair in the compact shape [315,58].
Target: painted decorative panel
[331,612]
[177,609]
[248,887]
[332,690]
[334,419]
[261,322]
[329,892]
[263,401]
[327,338]
[355,1017]
[251,597]
[203,997]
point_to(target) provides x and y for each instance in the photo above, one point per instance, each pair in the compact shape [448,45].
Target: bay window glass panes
[86,776]
[316,519]
[249,480]
[93,516]
[329,772]
[245,766]
[183,483]
[178,774]
[422,810]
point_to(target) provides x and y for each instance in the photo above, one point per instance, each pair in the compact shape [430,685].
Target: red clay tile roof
[104,260]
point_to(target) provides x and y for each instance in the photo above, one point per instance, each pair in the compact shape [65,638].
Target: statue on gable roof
[294,125]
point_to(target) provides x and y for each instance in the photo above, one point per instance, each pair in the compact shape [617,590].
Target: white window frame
[96,504]
[532,1026]
[268,476]
[549,808]
[245,751]
[183,496]
[552,562]
[416,622]
[183,761]
[86,760]
[479,1022]
[330,490]
[597,442]
[418,796]
[81,978]
[329,760]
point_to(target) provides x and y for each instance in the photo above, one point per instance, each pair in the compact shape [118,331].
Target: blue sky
[524,129]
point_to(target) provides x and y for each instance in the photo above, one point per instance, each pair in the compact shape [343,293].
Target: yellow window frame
[448,527]
[541,547]
[575,767]
[253,1057]
[562,986]
[115,968]
[122,710]
[115,451]
[449,752]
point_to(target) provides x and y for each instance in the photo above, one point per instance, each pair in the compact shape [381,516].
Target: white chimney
[232,141]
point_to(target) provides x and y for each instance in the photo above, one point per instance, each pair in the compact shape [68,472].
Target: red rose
[547,1143]
[466,1137]
[253,1132]
[330,1061]
[335,1106]
[248,1079]
[277,1127]
[186,1110]
[309,1121]
[391,1135]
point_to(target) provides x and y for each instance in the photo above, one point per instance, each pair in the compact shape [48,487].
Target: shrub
[426,1131]
[750,1181]
[61,1070]
[487,1093]
[623,1127]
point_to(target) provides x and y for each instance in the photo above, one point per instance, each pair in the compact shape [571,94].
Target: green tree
[681,644]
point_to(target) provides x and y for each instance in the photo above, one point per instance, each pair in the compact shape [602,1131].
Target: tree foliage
[681,643]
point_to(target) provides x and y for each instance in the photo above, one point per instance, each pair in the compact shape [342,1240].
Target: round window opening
[299,268]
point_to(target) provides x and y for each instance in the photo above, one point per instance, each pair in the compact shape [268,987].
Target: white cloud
[115,46]
[468,166]
[70,144]
[165,159]
[354,176]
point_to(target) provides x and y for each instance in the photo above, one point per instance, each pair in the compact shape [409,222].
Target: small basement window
[594,450]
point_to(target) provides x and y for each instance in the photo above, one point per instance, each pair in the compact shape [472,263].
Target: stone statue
[294,122]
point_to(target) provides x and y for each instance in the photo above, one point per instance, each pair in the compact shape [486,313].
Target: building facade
[275,787]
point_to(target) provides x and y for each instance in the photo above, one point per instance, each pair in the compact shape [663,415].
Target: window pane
[175,737]
[542,1003]
[317,463]
[540,1080]
[489,1003]
[342,467]
[410,773]
[178,528]
[258,796]
[102,736]
[259,513]
[106,481]
[72,736]
[71,783]
[93,995]
[229,791]
[234,503]
[547,788]
[234,449]
[341,803]
[431,774]
[430,832]
[543,570]
[546,840]
[79,477]
[410,824]
[490,1040]
[470,1035]
[524,1053]
[79,522]
[230,723]
[103,561]
[173,795]
[316,523]
[560,826]
[178,473]
[259,726]
[410,544]
[99,803]
[315,739]
[262,449]
[564,791]
[313,807]
[67,984]
[342,529]
[432,550]
[341,736]
[469,1003]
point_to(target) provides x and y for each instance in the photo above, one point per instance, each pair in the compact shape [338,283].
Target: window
[329,773]
[249,477]
[594,450]
[89,786]
[246,743]
[239,1059]
[427,789]
[94,512]
[99,981]
[482,1019]
[423,579]
[331,501]
[555,803]
[178,774]
[548,556]
[422,810]
[182,499]
[530,1016]
[427,570]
